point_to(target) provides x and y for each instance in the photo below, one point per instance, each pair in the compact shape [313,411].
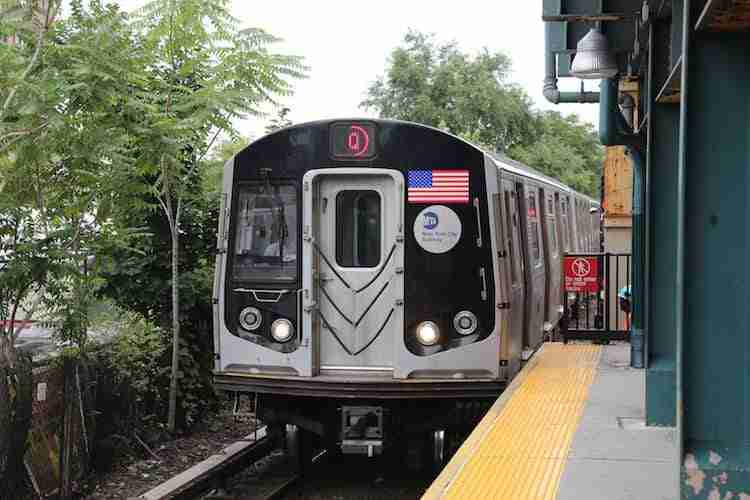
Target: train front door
[354,239]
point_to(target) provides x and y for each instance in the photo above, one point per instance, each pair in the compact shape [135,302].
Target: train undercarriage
[424,421]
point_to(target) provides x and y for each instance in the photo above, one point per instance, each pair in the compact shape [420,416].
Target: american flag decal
[438,186]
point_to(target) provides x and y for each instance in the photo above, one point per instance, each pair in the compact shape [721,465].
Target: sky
[346,45]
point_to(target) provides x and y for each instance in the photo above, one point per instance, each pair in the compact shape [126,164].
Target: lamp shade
[593,59]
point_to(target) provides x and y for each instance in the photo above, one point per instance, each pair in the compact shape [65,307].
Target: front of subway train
[356,265]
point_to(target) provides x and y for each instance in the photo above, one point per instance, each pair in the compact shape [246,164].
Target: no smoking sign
[581,274]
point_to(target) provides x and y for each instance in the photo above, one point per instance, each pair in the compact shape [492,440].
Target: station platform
[569,426]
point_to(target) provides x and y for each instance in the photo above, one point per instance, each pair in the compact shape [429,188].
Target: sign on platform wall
[581,274]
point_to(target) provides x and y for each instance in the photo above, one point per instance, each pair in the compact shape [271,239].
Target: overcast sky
[346,45]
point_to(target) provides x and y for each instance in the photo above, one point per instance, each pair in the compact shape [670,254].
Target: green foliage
[441,86]
[203,72]
[134,353]
[565,149]
[279,121]
[222,152]
[473,97]
[200,72]
[63,144]
[105,120]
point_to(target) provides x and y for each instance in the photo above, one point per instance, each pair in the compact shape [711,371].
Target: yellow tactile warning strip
[519,449]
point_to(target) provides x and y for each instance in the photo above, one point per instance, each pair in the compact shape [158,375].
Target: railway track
[259,469]
[211,474]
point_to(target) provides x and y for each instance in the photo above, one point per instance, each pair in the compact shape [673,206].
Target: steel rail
[205,475]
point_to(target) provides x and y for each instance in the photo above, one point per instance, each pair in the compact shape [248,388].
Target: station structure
[668,416]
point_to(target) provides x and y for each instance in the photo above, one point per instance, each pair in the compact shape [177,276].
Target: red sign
[582,274]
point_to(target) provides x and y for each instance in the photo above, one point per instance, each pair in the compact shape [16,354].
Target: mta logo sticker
[430,220]
[437,229]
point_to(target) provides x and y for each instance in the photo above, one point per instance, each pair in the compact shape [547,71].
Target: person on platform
[624,299]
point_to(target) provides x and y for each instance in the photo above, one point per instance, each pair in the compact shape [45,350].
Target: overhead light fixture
[593,59]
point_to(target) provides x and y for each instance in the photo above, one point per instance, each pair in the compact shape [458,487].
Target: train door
[534,264]
[514,265]
[552,258]
[356,220]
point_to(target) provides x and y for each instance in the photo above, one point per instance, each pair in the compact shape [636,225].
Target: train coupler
[362,430]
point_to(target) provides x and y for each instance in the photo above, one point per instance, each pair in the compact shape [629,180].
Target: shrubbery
[134,358]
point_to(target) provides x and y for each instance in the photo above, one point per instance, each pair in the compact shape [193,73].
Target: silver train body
[360,302]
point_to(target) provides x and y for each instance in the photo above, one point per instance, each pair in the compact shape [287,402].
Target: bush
[136,353]
[133,353]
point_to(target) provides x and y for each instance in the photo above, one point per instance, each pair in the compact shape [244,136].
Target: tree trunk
[171,423]
[15,417]
[66,448]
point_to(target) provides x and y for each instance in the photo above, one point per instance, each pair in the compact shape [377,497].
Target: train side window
[512,231]
[552,228]
[552,225]
[358,228]
[564,226]
[533,229]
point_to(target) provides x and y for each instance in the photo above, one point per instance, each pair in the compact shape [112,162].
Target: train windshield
[266,237]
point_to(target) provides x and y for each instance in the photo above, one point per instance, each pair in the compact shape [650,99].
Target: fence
[592,286]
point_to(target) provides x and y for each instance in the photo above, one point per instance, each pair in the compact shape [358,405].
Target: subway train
[380,282]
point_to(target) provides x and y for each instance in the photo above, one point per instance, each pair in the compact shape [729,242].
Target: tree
[473,97]
[279,121]
[202,72]
[224,150]
[441,86]
[63,132]
[565,149]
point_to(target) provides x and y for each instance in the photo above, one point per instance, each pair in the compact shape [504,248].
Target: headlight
[250,318]
[428,333]
[282,330]
[465,322]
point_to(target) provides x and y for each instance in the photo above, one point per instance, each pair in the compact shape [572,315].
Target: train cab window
[533,229]
[358,228]
[266,236]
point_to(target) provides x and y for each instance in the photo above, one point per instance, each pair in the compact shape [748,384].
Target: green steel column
[663,123]
[636,328]
[612,133]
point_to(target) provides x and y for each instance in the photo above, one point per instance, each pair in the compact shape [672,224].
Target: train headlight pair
[465,323]
[251,318]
